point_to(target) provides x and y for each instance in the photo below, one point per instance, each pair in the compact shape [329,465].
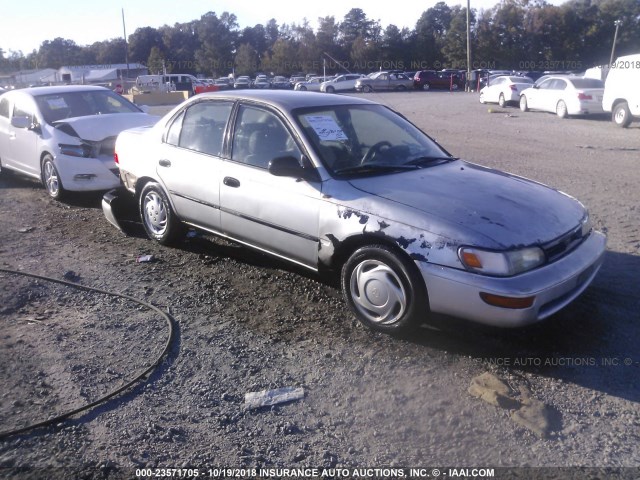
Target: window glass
[173,135]
[69,104]
[203,127]
[22,109]
[4,107]
[260,137]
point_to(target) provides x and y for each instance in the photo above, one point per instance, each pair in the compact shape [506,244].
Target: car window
[22,109]
[173,135]
[546,84]
[587,83]
[260,136]
[558,84]
[69,104]
[343,135]
[203,127]
[4,107]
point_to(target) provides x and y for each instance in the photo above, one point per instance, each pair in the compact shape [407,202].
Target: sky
[26,24]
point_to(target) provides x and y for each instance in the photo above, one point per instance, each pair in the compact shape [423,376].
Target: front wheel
[621,115]
[367,89]
[158,218]
[383,289]
[51,178]
[330,89]
[501,101]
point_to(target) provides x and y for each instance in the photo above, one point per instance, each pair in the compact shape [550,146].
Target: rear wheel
[401,88]
[426,86]
[523,104]
[51,178]
[501,101]
[384,290]
[561,109]
[621,115]
[158,218]
[482,97]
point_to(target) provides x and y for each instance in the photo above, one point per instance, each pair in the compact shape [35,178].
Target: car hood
[500,209]
[99,127]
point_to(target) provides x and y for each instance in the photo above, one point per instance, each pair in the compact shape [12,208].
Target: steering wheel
[376,148]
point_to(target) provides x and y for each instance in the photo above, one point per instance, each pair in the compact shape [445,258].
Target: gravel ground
[245,323]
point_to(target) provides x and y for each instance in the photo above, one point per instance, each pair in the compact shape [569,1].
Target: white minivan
[622,90]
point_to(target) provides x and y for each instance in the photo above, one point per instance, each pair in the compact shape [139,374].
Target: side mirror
[20,122]
[291,167]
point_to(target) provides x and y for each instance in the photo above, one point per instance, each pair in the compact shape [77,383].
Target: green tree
[156,62]
[142,41]
[246,62]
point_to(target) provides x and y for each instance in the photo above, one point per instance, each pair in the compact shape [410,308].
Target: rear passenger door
[189,161]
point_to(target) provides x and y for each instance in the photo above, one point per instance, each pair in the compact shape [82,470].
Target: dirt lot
[244,323]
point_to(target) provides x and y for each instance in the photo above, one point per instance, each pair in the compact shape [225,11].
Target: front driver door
[276,214]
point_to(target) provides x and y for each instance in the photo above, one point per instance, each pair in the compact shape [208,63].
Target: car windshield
[367,139]
[58,106]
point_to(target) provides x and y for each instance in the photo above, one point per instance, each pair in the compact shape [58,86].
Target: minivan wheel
[51,178]
[621,115]
[384,290]
[158,218]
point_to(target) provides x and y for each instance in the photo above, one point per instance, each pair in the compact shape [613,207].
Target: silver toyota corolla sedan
[345,184]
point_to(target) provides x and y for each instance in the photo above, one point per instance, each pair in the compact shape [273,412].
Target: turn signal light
[471,259]
[507,302]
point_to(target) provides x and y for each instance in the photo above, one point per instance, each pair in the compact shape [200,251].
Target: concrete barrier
[157,98]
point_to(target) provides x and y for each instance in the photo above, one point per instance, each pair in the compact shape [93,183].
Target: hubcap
[377,292]
[620,115]
[155,213]
[51,181]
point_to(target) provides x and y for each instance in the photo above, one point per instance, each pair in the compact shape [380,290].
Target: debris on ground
[267,398]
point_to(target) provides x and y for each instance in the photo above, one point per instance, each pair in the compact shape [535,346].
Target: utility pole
[617,23]
[467,86]
[126,44]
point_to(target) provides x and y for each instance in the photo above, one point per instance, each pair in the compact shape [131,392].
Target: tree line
[514,34]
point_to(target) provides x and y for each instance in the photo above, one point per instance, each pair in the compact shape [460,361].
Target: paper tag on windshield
[326,127]
[56,103]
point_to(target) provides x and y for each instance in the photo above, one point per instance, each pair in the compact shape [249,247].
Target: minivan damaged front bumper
[553,286]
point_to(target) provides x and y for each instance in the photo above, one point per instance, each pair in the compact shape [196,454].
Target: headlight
[586,225]
[501,264]
[82,150]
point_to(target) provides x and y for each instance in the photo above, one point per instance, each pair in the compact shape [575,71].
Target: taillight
[513,87]
[584,96]
[115,158]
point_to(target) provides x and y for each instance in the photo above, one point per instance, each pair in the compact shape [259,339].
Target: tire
[330,89]
[302,88]
[384,290]
[501,101]
[401,88]
[158,218]
[481,98]
[561,109]
[523,103]
[426,87]
[621,115]
[51,178]
[367,89]
[455,87]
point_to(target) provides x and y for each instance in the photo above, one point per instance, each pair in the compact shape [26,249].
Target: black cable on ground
[115,392]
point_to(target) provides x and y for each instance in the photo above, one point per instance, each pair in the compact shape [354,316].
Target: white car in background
[342,83]
[621,93]
[65,136]
[564,96]
[504,90]
[312,85]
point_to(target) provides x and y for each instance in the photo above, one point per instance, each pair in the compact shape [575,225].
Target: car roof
[36,91]
[288,99]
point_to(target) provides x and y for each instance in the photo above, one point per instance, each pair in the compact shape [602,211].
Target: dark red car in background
[448,79]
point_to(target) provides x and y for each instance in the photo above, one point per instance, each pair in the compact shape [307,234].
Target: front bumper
[80,174]
[120,209]
[457,292]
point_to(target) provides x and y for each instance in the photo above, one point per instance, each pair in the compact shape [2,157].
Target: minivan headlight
[501,264]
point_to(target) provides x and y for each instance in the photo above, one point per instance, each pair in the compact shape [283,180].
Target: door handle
[231,182]
[164,163]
